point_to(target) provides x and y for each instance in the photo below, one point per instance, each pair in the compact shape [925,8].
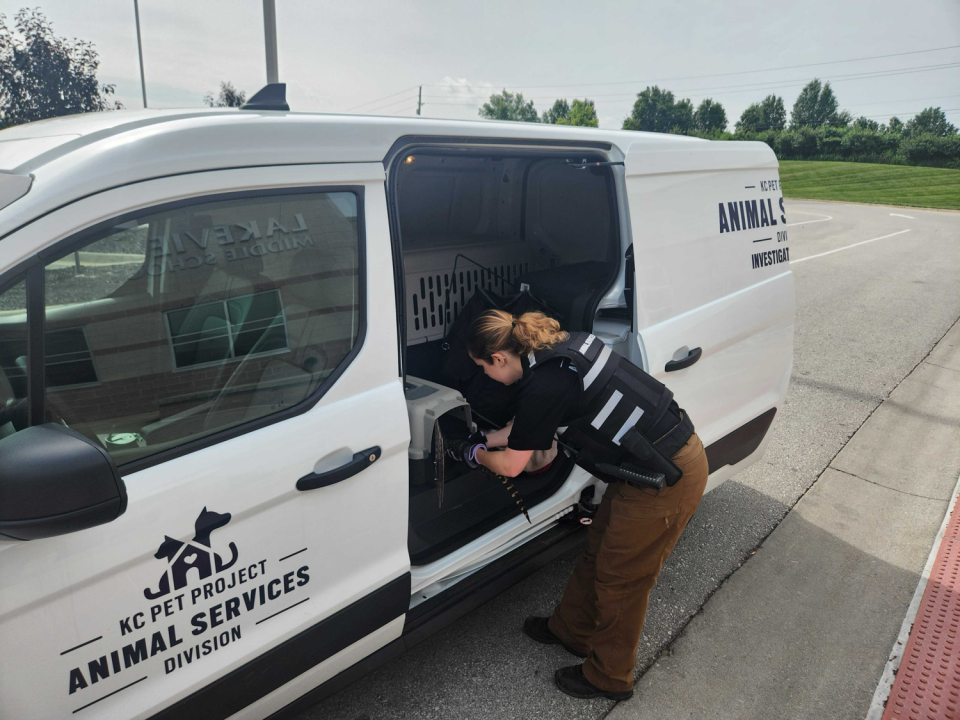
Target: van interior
[517,229]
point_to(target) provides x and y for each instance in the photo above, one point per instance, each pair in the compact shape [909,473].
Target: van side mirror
[54,481]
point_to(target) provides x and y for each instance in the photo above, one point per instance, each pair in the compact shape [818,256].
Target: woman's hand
[498,438]
[465,451]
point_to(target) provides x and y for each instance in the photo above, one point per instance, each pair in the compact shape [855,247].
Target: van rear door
[714,291]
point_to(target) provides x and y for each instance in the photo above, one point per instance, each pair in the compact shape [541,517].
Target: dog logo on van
[196,554]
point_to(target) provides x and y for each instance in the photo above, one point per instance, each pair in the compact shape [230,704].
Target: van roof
[27,147]
[75,156]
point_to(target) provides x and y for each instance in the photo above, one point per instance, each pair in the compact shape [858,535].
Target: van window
[13,359]
[179,323]
[246,325]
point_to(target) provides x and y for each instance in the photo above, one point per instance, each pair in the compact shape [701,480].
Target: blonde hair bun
[497,330]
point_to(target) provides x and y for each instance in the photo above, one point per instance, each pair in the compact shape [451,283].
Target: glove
[477,438]
[465,451]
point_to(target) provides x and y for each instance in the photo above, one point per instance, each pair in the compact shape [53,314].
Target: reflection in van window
[180,323]
[68,360]
[13,359]
[228,329]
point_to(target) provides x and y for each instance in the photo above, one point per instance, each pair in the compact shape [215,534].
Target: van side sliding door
[714,291]
[228,338]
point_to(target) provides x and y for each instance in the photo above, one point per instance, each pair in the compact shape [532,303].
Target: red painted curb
[928,681]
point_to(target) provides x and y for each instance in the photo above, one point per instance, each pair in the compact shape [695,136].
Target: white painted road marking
[899,215]
[824,218]
[847,247]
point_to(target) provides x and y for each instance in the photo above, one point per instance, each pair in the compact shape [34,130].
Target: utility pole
[270,39]
[419,98]
[143,82]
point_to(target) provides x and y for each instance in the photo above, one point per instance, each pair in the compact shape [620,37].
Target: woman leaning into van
[601,404]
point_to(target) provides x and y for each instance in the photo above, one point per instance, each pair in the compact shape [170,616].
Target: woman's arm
[498,438]
[508,463]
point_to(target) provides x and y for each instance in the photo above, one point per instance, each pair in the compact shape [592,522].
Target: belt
[676,437]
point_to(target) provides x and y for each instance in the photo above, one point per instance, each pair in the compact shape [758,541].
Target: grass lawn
[869,183]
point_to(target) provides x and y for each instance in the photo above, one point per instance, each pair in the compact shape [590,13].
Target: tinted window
[227,329]
[181,323]
[13,360]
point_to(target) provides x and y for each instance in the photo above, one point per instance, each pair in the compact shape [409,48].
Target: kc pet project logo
[196,554]
[203,601]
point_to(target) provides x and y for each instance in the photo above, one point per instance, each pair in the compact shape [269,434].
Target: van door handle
[361,461]
[689,360]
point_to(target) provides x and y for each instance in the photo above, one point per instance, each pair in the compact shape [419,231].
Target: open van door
[714,291]
[224,339]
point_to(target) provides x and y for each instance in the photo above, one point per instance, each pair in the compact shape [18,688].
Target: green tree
[932,120]
[229,97]
[560,110]
[709,116]
[682,117]
[44,76]
[895,125]
[655,110]
[509,106]
[842,119]
[769,114]
[815,107]
[865,123]
[582,113]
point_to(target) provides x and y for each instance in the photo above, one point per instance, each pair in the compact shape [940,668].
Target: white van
[221,335]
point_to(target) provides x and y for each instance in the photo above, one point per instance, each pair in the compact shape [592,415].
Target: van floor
[474,502]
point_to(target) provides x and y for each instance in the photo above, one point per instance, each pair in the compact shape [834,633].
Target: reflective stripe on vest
[597,368]
[616,395]
[631,421]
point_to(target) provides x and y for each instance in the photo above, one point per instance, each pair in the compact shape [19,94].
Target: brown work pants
[605,601]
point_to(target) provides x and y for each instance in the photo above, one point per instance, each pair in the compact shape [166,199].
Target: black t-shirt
[547,399]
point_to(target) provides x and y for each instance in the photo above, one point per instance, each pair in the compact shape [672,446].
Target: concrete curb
[882,693]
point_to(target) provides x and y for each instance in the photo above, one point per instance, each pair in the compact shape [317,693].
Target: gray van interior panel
[494,219]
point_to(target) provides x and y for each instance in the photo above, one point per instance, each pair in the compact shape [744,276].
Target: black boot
[536,627]
[573,682]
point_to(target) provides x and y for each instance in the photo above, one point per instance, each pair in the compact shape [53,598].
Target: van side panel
[713,272]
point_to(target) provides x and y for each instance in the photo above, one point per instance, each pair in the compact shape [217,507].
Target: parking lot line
[847,247]
[823,218]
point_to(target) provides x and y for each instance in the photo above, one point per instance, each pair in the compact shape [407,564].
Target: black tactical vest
[617,399]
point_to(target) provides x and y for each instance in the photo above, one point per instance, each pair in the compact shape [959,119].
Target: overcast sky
[370,56]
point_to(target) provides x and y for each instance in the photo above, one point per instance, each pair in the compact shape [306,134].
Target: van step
[445,525]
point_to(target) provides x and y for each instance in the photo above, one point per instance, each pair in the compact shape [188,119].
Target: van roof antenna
[270,97]
[273,96]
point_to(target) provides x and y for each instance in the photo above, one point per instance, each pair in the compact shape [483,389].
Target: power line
[740,72]
[371,102]
[688,77]
[900,112]
[391,104]
[752,87]
[912,112]
[772,83]
[397,113]
[887,102]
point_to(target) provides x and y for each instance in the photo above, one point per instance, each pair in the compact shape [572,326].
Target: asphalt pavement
[804,629]
[876,290]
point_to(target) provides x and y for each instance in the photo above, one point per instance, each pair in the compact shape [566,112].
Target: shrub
[785,146]
[807,142]
[861,142]
[926,148]
[829,144]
